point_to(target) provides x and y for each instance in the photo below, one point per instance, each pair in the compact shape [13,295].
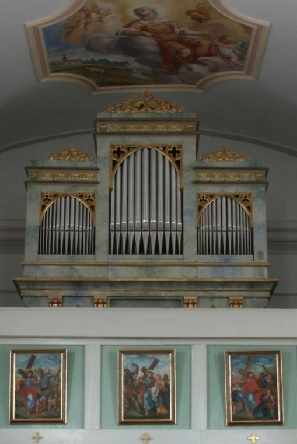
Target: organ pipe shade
[225,228]
[146,206]
[67,228]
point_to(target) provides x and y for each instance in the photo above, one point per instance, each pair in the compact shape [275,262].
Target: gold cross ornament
[253,438]
[37,437]
[145,438]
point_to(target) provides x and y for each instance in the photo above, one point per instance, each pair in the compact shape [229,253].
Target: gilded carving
[145,103]
[118,153]
[146,127]
[224,154]
[55,301]
[228,176]
[190,301]
[47,198]
[235,302]
[100,302]
[55,176]
[70,153]
[33,175]
[244,199]
[260,177]
[61,176]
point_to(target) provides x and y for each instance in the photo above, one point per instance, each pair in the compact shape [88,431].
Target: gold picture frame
[253,388]
[38,386]
[146,380]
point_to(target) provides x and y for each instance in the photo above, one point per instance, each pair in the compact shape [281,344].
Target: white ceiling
[263,110]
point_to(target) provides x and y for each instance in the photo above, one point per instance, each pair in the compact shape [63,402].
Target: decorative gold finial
[37,437]
[145,438]
[145,103]
[69,153]
[253,438]
[224,154]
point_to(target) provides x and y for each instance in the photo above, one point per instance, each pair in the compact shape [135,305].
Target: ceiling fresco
[105,45]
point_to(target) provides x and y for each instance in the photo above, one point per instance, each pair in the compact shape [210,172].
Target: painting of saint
[254,388]
[109,43]
[147,386]
[38,386]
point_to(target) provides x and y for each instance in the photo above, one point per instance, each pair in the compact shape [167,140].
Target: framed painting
[146,386]
[38,386]
[253,388]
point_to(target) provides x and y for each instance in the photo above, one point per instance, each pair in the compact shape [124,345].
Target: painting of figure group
[254,387]
[110,43]
[147,387]
[37,386]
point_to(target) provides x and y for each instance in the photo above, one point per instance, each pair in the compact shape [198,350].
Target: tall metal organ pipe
[146,206]
[67,228]
[224,229]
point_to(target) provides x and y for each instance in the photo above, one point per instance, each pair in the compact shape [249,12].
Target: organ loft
[147,222]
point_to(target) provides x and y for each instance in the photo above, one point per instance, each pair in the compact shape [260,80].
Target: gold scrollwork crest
[70,153]
[145,103]
[224,154]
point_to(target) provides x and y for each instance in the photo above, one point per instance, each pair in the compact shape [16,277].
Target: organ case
[146,222]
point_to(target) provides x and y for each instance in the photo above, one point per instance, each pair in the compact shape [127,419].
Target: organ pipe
[146,206]
[225,228]
[67,228]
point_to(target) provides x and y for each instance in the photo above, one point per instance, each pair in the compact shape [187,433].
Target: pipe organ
[147,221]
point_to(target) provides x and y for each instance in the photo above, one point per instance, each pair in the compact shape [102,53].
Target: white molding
[132,436]
[112,323]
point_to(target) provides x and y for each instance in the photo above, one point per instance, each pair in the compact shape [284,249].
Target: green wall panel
[109,383]
[216,385]
[76,382]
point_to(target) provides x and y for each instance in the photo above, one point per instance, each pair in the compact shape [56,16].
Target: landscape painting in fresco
[133,43]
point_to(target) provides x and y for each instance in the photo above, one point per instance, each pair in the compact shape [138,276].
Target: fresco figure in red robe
[178,45]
